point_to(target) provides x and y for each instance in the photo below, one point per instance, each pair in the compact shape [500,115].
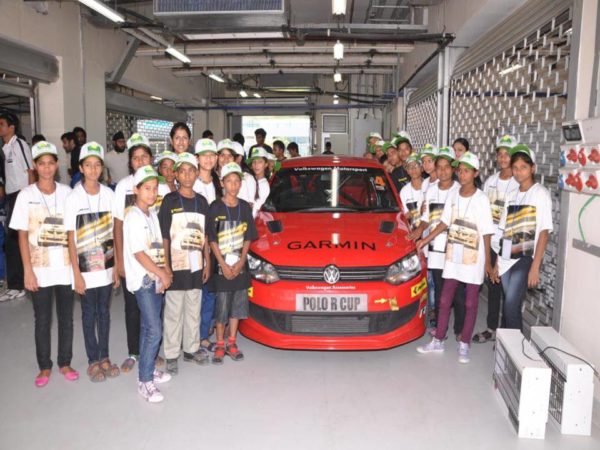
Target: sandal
[128,364]
[96,373]
[219,354]
[233,352]
[69,373]
[484,336]
[210,347]
[110,370]
[43,378]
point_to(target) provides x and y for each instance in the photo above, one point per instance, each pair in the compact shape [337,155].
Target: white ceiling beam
[291,70]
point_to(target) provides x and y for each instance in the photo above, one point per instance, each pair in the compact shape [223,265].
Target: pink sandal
[71,374]
[42,380]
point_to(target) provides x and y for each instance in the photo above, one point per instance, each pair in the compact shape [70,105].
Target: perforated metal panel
[521,92]
[421,121]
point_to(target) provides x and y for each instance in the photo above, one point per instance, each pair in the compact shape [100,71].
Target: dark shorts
[231,305]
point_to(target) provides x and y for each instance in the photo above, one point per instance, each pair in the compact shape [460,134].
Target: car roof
[330,160]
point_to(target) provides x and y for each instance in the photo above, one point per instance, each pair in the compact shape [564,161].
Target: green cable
[590,200]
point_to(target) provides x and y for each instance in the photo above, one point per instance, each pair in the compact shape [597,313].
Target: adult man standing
[328,150]
[18,169]
[117,161]
[260,134]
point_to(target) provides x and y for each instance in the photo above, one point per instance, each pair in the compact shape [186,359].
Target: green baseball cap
[137,140]
[91,149]
[166,155]
[186,158]
[446,153]
[522,148]
[144,174]
[506,141]
[468,159]
[430,150]
[43,148]
[400,137]
[413,158]
[387,146]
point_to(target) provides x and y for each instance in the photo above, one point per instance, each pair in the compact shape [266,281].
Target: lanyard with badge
[458,249]
[53,233]
[507,243]
[95,256]
[232,257]
[156,251]
[195,258]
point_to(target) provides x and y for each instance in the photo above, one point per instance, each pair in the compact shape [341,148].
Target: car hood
[344,239]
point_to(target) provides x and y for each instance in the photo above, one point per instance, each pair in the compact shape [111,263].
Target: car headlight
[262,270]
[405,269]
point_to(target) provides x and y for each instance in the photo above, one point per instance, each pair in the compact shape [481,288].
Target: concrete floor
[274,399]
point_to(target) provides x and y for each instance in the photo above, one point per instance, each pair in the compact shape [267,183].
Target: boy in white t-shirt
[38,217]
[89,223]
[526,224]
[468,218]
[147,277]
[498,188]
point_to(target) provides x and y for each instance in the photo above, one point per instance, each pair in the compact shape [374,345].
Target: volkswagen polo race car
[332,268]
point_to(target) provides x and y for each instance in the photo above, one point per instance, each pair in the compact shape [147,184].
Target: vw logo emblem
[331,274]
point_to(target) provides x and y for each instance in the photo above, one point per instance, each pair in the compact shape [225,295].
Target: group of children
[468,234]
[176,238]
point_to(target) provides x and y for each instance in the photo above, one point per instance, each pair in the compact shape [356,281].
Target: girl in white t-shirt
[38,217]
[147,277]
[89,223]
[411,194]
[468,218]
[526,224]
[259,164]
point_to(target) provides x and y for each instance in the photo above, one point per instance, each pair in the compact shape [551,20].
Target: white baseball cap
[230,168]
[522,148]
[468,159]
[91,149]
[238,148]
[226,144]
[144,174]
[166,155]
[259,152]
[137,140]
[374,134]
[43,148]
[205,145]
[506,141]
[186,158]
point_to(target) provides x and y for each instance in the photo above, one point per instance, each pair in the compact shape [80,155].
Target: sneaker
[233,352]
[463,353]
[200,357]
[219,354]
[434,346]
[150,392]
[10,294]
[20,294]
[172,366]
[160,377]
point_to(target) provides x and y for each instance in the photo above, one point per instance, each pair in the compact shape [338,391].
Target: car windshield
[322,189]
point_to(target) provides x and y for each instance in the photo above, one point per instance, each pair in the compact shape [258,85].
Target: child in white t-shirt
[259,164]
[38,217]
[411,194]
[147,277]
[468,218]
[526,224]
[89,223]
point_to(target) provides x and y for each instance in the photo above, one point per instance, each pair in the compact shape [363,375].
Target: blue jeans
[95,315]
[514,285]
[150,304]
[207,311]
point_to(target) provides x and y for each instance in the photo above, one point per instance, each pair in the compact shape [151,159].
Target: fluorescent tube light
[257,95]
[338,7]
[511,69]
[177,54]
[243,93]
[338,51]
[337,77]
[216,77]
[101,8]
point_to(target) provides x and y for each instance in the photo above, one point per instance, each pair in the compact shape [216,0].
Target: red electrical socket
[572,156]
[578,182]
[595,155]
[581,157]
[592,182]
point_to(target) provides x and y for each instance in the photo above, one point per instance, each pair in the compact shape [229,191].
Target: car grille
[346,273]
[327,324]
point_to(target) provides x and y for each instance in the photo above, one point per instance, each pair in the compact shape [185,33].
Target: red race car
[332,268]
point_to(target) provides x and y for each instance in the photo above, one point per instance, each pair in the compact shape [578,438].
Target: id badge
[194,258]
[159,289]
[56,256]
[506,250]
[439,243]
[231,258]
[458,251]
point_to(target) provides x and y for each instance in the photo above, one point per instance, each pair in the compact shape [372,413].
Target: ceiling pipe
[270,70]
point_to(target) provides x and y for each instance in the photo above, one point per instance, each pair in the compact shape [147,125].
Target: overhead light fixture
[338,51]
[335,101]
[337,77]
[257,95]
[243,93]
[101,8]
[338,7]
[154,97]
[335,96]
[216,77]
[511,69]
[177,54]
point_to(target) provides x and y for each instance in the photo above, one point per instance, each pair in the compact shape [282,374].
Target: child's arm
[417,232]
[118,231]
[533,279]
[149,265]
[78,280]
[31,283]
[226,268]
[441,227]
[167,247]
[238,266]
[491,272]
[207,263]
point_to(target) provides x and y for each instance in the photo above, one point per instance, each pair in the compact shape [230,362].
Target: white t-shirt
[412,199]
[124,197]
[248,189]
[468,220]
[498,191]
[141,233]
[435,199]
[163,189]
[16,165]
[207,190]
[42,216]
[264,189]
[90,218]
[426,183]
[526,215]
[117,164]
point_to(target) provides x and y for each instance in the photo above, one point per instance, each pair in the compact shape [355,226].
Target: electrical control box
[580,157]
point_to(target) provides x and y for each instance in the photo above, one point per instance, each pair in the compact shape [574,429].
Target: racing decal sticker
[250,292]
[418,288]
[316,245]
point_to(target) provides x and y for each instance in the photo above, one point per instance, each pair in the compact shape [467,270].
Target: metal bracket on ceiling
[116,75]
